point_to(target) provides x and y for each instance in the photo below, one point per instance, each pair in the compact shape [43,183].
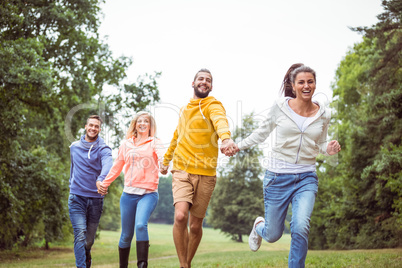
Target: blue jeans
[135,211]
[85,213]
[279,191]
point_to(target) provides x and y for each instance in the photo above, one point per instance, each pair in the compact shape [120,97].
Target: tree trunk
[26,240]
[240,239]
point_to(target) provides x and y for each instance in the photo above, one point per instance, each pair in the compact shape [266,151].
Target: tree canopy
[360,205]
[54,72]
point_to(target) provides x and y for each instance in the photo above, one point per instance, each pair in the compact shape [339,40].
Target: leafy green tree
[238,197]
[361,204]
[164,211]
[52,62]
[110,219]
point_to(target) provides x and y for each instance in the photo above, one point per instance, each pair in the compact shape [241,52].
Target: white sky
[248,45]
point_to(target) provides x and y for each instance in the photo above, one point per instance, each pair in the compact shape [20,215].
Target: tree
[238,195]
[51,62]
[110,219]
[362,204]
[164,211]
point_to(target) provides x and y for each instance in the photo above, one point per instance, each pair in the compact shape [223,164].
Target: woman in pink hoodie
[139,155]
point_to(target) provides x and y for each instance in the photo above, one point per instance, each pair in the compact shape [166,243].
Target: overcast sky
[247,45]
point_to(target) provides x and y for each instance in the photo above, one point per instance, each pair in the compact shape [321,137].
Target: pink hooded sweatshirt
[140,163]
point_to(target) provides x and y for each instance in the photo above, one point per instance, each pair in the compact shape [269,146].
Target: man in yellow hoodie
[194,150]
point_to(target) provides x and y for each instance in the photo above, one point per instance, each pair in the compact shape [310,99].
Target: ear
[192,84]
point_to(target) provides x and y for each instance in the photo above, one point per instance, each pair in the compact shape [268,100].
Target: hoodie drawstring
[199,106]
[89,152]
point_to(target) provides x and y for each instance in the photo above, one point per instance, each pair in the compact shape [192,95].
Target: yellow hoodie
[194,147]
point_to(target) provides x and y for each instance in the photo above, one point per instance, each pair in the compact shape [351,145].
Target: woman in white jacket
[301,126]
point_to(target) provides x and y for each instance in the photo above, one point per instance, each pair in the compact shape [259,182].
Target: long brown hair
[286,87]
[132,130]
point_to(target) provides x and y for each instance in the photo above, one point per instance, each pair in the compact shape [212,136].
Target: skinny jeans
[135,212]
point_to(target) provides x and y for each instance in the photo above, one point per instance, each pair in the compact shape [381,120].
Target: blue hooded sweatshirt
[90,162]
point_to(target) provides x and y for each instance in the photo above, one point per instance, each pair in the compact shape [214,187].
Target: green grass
[215,250]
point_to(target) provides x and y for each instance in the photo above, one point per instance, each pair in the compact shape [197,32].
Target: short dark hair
[203,70]
[95,117]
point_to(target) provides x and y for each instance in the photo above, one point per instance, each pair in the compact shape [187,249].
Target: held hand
[164,169]
[333,147]
[101,189]
[236,148]
[229,148]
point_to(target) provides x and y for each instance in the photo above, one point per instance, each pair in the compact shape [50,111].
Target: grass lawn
[215,250]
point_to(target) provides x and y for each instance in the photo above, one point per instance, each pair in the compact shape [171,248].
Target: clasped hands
[101,189]
[229,147]
[163,169]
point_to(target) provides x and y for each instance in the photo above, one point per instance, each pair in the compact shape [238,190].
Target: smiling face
[304,86]
[202,85]
[143,125]
[92,129]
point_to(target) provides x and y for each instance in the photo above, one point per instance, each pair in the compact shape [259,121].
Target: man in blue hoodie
[91,160]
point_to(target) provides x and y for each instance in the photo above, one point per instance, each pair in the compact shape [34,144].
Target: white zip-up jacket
[291,144]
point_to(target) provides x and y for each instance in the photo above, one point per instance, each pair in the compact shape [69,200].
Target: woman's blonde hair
[132,130]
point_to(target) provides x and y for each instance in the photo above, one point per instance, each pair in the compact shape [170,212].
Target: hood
[323,112]
[90,145]
[282,105]
[201,103]
[150,139]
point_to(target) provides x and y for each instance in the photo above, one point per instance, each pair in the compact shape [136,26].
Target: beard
[201,94]
[92,138]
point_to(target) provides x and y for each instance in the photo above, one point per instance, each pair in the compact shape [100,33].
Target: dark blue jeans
[85,213]
[279,191]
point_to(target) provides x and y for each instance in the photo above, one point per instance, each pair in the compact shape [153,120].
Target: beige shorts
[194,189]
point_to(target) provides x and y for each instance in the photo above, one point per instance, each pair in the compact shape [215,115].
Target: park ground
[216,250]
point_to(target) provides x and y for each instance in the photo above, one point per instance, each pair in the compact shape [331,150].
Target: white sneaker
[254,240]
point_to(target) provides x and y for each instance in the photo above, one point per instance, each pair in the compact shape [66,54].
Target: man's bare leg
[194,237]
[180,231]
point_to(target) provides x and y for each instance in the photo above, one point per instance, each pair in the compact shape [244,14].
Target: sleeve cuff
[224,136]
[165,162]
